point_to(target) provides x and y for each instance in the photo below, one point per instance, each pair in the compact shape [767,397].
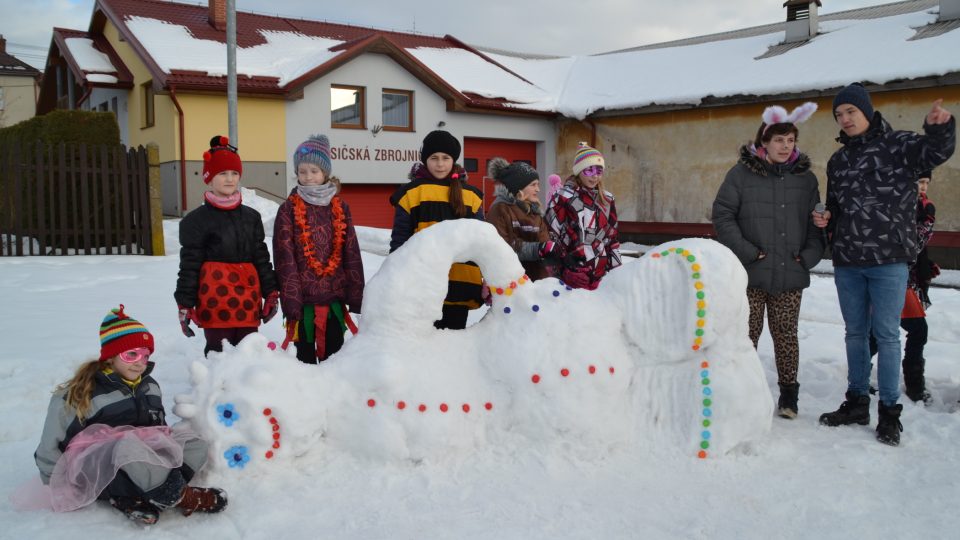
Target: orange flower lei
[339,233]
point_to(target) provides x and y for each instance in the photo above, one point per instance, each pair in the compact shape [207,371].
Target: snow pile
[635,364]
[89,59]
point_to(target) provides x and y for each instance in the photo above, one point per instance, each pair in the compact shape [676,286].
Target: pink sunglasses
[135,355]
[593,170]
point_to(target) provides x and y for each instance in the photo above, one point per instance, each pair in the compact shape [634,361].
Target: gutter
[183,157]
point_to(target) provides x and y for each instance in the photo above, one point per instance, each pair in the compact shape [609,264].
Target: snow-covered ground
[800,480]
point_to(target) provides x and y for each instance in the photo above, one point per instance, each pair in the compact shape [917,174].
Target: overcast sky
[562,27]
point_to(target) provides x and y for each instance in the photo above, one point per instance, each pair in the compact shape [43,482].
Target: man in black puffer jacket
[871,221]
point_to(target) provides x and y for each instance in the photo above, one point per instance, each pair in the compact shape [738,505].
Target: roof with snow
[882,46]
[280,55]
[11,65]
[895,45]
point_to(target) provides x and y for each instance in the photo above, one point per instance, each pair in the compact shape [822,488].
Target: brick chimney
[801,19]
[949,10]
[217,14]
[3,44]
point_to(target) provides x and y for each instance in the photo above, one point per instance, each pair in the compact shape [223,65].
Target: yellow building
[19,84]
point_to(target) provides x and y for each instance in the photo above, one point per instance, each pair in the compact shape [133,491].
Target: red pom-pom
[276,436]
[276,445]
[535,379]
[564,372]
[371,403]
[206,156]
[455,176]
[224,140]
[267,412]
[443,407]
[401,405]
[422,407]
[269,454]
[488,405]
[466,408]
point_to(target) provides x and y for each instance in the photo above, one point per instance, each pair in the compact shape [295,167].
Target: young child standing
[317,256]
[106,437]
[583,221]
[225,270]
[438,191]
[518,217]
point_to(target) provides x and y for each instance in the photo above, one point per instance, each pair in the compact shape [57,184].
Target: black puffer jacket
[766,207]
[230,236]
[872,191]
[112,403]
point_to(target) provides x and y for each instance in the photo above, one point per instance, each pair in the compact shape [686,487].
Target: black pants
[307,350]
[454,318]
[215,337]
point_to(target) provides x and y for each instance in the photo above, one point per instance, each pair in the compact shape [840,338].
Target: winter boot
[787,404]
[913,380]
[136,509]
[889,426]
[209,500]
[855,410]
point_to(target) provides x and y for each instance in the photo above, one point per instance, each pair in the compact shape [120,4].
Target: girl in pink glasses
[106,436]
[583,222]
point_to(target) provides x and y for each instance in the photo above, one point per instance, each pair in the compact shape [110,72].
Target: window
[148,97]
[346,107]
[104,107]
[397,110]
[470,164]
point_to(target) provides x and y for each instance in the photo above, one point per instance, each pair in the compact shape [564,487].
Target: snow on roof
[88,58]
[286,55]
[469,72]
[875,50]
[101,78]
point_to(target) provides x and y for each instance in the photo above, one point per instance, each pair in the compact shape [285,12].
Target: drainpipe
[183,150]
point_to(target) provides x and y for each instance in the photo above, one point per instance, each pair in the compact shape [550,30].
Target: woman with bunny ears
[763,213]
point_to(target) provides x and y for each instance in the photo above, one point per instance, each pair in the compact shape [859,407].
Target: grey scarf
[317,195]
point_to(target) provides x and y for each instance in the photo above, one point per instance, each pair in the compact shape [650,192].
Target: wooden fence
[75,199]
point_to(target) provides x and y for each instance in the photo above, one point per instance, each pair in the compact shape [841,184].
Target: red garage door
[370,204]
[477,152]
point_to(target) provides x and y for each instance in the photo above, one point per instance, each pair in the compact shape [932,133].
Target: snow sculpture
[657,359]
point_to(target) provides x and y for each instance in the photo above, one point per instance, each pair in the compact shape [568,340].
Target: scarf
[223,203]
[317,195]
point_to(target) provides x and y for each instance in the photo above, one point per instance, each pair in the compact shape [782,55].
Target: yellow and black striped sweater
[425,201]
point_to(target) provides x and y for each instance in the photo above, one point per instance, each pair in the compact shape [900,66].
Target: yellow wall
[19,99]
[668,166]
[261,126]
[261,121]
[163,132]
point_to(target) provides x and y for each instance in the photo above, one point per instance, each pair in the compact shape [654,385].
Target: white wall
[105,95]
[375,72]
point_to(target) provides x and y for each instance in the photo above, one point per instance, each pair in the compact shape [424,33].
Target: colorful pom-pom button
[422,408]
[611,370]
[371,403]
[698,285]
[564,372]
[705,381]
[556,293]
[273,420]
[704,364]
[269,454]
[592,369]
[706,423]
[276,436]
[707,391]
[707,412]
[267,412]
[695,267]
[535,308]
[508,292]
[466,408]
[506,310]
[276,445]
[401,405]
[276,427]
[655,255]
[443,407]
[499,290]
[704,445]
[488,406]
[700,295]
[695,347]
[702,454]
[535,378]
[513,284]
[691,258]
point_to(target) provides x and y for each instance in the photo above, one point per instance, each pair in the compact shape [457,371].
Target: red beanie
[221,157]
[119,332]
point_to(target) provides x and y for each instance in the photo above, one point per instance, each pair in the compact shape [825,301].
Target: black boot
[136,509]
[855,410]
[889,426]
[913,380]
[787,404]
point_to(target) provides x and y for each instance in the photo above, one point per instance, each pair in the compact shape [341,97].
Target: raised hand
[937,114]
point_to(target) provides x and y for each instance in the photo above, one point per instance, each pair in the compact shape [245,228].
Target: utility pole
[232,72]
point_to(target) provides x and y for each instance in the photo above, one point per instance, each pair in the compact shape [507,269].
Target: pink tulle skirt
[94,456]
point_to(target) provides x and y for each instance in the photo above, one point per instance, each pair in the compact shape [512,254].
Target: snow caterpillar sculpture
[657,359]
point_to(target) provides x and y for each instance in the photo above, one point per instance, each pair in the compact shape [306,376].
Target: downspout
[183,156]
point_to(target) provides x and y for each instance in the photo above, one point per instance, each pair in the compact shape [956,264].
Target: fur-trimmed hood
[759,166]
[503,196]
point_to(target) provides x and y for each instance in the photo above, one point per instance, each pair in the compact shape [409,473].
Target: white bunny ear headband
[778,115]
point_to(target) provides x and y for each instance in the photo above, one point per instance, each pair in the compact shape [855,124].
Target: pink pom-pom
[554,180]
[272,345]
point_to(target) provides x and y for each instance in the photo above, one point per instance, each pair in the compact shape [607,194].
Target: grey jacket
[766,207]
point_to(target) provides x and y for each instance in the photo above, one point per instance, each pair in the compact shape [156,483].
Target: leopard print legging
[783,315]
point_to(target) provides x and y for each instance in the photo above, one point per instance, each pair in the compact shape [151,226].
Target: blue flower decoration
[227,414]
[237,456]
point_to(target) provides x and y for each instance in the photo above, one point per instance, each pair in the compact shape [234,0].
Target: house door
[478,152]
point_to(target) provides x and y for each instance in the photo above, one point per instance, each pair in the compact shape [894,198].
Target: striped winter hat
[314,150]
[120,332]
[586,157]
